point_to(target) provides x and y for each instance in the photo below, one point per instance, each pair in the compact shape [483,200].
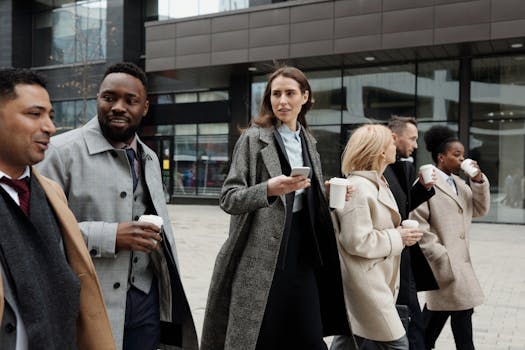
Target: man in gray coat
[111,178]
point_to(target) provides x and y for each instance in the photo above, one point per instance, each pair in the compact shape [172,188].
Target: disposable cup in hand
[338,188]
[426,172]
[468,168]
[410,224]
[154,219]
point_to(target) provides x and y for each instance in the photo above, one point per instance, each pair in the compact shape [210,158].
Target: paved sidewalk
[498,254]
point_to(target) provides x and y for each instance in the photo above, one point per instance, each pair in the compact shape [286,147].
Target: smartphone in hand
[302,170]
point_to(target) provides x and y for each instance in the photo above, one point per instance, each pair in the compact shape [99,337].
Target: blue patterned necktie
[131,157]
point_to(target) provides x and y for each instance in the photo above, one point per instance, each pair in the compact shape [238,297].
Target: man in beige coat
[50,296]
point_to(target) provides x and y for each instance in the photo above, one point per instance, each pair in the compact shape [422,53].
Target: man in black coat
[409,193]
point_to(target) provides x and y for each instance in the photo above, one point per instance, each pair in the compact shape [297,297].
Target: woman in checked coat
[445,221]
[277,281]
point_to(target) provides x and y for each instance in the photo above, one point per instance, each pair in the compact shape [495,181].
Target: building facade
[454,62]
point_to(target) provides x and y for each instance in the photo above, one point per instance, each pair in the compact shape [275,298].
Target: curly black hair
[438,138]
[11,77]
[128,68]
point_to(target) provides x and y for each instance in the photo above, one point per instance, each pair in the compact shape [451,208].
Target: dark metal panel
[269,36]
[312,12]
[408,20]
[474,32]
[408,39]
[462,14]
[229,23]
[358,25]
[194,27]
[507,10]
[270,17]
[312,31]
[508,29]
[356,7]
[356,44]
[390,5]
[234,40]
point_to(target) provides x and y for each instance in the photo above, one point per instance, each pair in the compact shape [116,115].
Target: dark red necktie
[22,188]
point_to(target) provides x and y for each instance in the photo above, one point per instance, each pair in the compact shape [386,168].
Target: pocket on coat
[443,270]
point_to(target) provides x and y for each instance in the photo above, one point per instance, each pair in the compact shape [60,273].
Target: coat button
[116,285]
[113,153]
[123,194]
[93,252]
[132,279]
[460,211]
[136,218]
[135,259]
[10,328]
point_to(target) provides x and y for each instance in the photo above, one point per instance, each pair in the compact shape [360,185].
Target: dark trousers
[142,322]
[292,318]
[460,322]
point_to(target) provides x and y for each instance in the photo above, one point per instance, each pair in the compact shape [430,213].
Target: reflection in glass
[69,33]
[497,132]
[167,9]
[330,148]
[375,93]
[69,114]
[438,91]
[328,97]
[200,158]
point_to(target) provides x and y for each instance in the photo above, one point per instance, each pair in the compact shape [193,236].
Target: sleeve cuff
[100,238]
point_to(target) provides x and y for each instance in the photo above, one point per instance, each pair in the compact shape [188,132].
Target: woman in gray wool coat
[277,280]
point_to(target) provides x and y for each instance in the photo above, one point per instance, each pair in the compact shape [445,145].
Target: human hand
[429,184]
[283,184]
[409,236]
[349,191]
[137,236]
[479,176]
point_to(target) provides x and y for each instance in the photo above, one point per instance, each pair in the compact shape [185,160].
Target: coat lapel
[443,186]
[270,156]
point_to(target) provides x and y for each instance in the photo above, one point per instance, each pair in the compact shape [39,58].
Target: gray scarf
[47,291]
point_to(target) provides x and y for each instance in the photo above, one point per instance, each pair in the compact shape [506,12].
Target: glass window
[218,95]
[375,93]
[73,114]
[200,158]
[189,97]
[258,86]
[327,93]
[165,99]
[438,91]
[167,9]
[69,32]
[497,133]
[329,146]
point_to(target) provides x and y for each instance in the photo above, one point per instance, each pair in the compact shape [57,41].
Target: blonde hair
[365,147]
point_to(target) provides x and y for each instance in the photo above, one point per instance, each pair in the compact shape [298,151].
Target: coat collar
[384,195]
[97,143]
[444,187]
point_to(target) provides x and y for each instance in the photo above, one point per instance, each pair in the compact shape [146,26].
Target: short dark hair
[398,123]
[11,77]
[128,68]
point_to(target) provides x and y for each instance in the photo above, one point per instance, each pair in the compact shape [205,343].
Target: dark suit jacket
[409,195]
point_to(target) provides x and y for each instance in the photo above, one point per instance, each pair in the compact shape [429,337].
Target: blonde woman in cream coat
[370,241]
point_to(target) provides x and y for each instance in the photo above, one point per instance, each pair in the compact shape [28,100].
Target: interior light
[517,45]
[370,58]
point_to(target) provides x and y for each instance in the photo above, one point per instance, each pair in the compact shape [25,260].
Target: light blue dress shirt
[294,151]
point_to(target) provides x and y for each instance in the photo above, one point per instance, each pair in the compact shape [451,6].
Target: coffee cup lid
[338,181]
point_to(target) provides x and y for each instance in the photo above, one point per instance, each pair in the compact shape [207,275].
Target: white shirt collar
[27,173]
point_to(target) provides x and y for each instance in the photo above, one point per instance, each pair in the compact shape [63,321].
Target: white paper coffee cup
[410,224]
[468,168]
[426,172]
[338,188]
[154,219]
